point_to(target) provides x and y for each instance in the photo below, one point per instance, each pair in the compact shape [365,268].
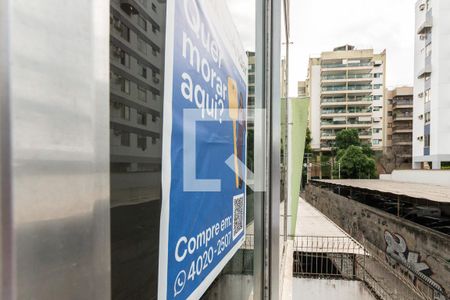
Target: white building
[347,87]
[431,124]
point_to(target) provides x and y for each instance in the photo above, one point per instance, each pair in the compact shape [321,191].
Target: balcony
[403,117]
[427,24]
[402,104]
[350,65]
[349,77]
[365,87]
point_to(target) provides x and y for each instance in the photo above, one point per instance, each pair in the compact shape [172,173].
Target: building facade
[398,133]
[346,87]
[431,132]
[251,89]
[137,36]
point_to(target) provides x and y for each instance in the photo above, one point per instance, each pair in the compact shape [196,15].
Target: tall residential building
[251,89]
[398,134]
[431,133]
[137,35]
[346,87]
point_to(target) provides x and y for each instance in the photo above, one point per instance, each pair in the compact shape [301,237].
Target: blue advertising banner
[204,147]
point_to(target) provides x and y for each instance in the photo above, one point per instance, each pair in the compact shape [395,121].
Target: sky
[321,25]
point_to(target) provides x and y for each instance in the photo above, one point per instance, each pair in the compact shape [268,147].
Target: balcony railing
[401,116]
[350,65]
[343,88]
[350,76]
[402,102]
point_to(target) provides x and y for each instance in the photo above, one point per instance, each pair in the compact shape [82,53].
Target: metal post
[267,150]
[288,120]
[339,169]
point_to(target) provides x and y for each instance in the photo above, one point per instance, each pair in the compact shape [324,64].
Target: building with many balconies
[251,89]
[137,36]
[398,133]
[431,132]
[347,87]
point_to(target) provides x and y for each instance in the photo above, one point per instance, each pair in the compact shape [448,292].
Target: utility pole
[288,125]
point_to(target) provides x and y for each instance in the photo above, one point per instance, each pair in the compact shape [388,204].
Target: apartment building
[251,89]
[398,133]
[137,36]
[346,87]
[431,129]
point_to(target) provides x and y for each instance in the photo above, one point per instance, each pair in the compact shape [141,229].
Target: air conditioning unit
[420,138]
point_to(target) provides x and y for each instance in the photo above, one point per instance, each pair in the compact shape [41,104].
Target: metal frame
[267,150]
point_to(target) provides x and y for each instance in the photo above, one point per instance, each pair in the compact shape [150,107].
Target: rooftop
[414,190]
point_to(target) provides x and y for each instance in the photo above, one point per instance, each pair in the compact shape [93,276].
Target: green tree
[355,164]
[346,138]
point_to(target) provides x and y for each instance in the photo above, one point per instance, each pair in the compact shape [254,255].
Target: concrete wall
[325,289]
[231,287]
[364,222]
[434,177]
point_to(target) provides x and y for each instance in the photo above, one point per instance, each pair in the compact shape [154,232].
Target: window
[142,46]
[142,118]
[251,67]
[427,77]
[125,112]
[125,139]
[390,113]
[427,140]
[377,97]
[376,142]
[142,142]
[154,118]
[154,28]
[377,75]
[154,7]
[427,95]
[125,32]
[142,70]
[125,86]
[153,140]
[377,86]
[389,137]
[376,130]
[142,94]
[427,117]
[376,108]
[142,23]
[428,4]
[389,125]
[251,90]
[125,59]
[251,79]
[428,50]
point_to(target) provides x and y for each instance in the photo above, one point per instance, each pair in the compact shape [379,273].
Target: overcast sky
[321,25]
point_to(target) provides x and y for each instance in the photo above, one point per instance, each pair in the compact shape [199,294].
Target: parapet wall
[403,242]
